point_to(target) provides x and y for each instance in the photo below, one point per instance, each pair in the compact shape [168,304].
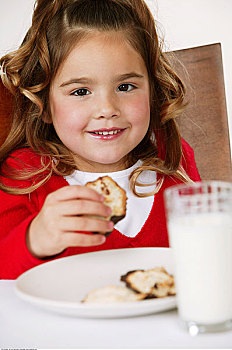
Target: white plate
[60,285]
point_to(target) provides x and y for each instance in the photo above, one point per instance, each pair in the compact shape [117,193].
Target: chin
[116,164]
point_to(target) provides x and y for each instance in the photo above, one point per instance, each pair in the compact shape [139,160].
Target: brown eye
[126,87]
[81,92]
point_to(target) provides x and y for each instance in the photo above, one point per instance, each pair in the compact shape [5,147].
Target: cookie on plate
[112,294]
[154,283]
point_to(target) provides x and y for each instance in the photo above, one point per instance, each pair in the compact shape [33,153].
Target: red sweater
[17,211]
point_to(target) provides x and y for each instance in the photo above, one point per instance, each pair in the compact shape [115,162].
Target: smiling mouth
[106,132]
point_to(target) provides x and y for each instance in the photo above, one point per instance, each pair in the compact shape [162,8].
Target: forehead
[99,50]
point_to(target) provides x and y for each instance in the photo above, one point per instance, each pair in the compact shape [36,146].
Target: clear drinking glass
[199,219]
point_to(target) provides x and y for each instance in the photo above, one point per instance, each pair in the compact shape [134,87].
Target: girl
[93,94]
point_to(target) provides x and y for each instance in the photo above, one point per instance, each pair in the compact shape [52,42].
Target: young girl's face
[99,102]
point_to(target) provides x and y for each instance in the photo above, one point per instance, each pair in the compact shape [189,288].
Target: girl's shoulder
[23,169]
[188,161]
[187,150]
[23,157]
[187,153]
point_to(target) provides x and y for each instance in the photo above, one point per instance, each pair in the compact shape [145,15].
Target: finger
[81,207]
[85,223]
[74,192]
[71,239]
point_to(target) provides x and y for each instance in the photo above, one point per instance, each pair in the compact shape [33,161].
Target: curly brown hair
[57,25]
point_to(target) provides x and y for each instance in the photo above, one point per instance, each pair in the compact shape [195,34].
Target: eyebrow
[129,76]
[82,80]
[85,80]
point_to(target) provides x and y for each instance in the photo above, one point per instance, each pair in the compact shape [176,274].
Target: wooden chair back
[5,112]
[204,124]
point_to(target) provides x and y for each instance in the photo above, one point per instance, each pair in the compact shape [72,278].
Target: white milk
[202,246]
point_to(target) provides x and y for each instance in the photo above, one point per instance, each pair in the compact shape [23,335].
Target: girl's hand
[65,211]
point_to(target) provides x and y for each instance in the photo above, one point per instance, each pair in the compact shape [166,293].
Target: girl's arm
[29,236]
[16,215]
[31,224]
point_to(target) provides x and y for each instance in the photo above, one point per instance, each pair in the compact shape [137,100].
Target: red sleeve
[188,162]
[16,214]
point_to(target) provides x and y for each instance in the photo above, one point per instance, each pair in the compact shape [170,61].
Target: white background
[183,23]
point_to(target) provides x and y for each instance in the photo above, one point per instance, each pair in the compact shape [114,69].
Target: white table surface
[23,325]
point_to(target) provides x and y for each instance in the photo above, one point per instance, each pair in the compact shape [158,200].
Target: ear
[46,117]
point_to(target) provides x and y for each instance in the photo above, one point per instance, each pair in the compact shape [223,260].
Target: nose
[107,107]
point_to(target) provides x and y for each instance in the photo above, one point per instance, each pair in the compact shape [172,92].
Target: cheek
[139,111]
[67,116]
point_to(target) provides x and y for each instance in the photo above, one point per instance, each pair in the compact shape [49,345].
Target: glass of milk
[199,219]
